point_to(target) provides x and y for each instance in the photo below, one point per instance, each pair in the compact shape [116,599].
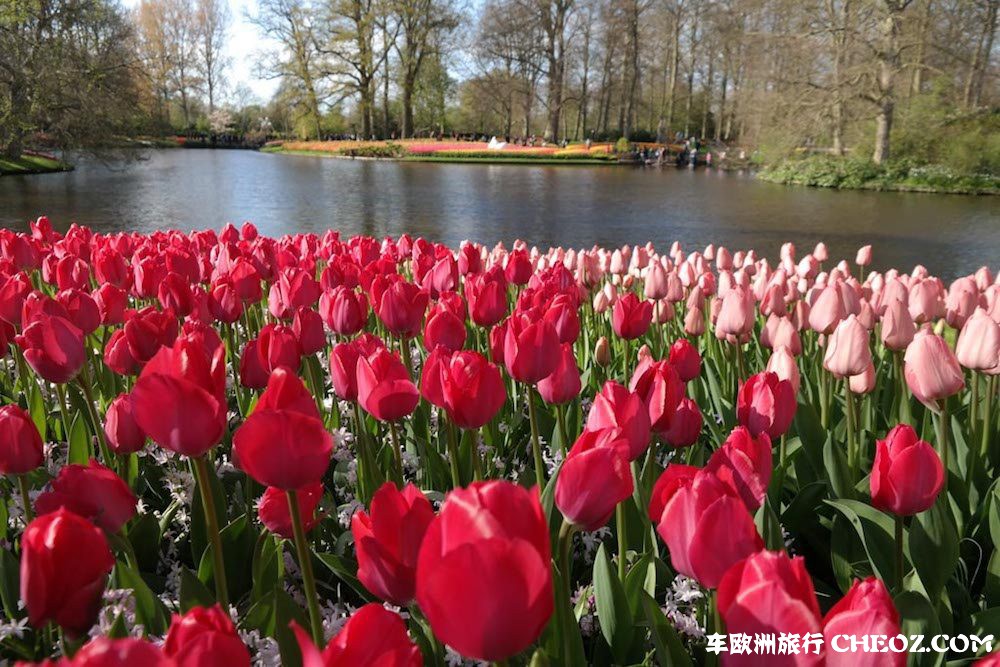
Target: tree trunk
[888,67]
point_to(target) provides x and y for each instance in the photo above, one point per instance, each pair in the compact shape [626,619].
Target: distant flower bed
[448,149]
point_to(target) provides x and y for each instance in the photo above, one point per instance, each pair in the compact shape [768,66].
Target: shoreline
[472,159]
[28,165]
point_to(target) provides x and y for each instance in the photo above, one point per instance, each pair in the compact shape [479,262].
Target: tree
[212,26]
[297,61]
[66,70]
[424,25]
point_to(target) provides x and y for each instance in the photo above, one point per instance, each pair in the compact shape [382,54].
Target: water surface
[544,205]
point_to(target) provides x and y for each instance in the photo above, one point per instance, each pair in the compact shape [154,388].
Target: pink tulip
[931,369]
[847,351]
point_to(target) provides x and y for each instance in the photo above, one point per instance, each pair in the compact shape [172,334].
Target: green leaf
[36,408]
[285,612]
[917,617]
[193,592]
[79,442]
[934,538]
[835,462]
[612,606]
[144,535]
[877,533]
[345,573]
[769,526]
[641,578]
[10,586]
[267,565]
[149,610]
[670,651]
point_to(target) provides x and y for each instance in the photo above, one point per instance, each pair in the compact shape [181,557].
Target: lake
[573,206]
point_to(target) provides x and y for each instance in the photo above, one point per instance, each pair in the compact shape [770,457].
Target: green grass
[31,164]
[826,171]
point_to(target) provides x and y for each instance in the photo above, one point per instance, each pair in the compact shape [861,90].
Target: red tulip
[81,310]
[117,355]
[444,328]
[866,610]
[518,269]
[931,369]
[344,363]
[617,407]
[384,386]
[344,310]
[400,306]
[372,636]
[283,443]
[387,541]
[121,430]
[180,397]
[224,302]
[295,288]
[13,291]
[147,330]
[685,359]
[562,313]
[770,593]
[685,427]
[111,302]
[465,384]
[20,443]
[744,464]
[174,292]
[487,295]
[675,477]
[661,389]
[53,347]
[766,404]
[105,652]
[564,383]
[92,491]
[308,330]
[530,349]
[276,347]
[205,636]
[631,317]
[65,561]
[274,512]
[591,483]
[485,559]
[707,529]
[907,474]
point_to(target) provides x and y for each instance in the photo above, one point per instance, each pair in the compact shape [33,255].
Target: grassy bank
[826,171]
[31,164]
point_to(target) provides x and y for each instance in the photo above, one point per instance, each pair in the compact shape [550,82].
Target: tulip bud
[602,352]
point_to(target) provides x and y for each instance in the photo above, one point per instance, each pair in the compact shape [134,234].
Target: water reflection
[560,205]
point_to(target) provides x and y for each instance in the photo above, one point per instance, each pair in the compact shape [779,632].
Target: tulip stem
[943,419]
[404,352]
[367,477]
[622,539]
[852,444]
[563,431]
[984,443]
[397,454]
[63,410]
[904,390]
[95,421]
[305,563]
[212,521]
[456,478]
[899,552]
[536,448]
[29,514]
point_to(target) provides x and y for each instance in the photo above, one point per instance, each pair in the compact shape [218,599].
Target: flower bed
[220,447]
